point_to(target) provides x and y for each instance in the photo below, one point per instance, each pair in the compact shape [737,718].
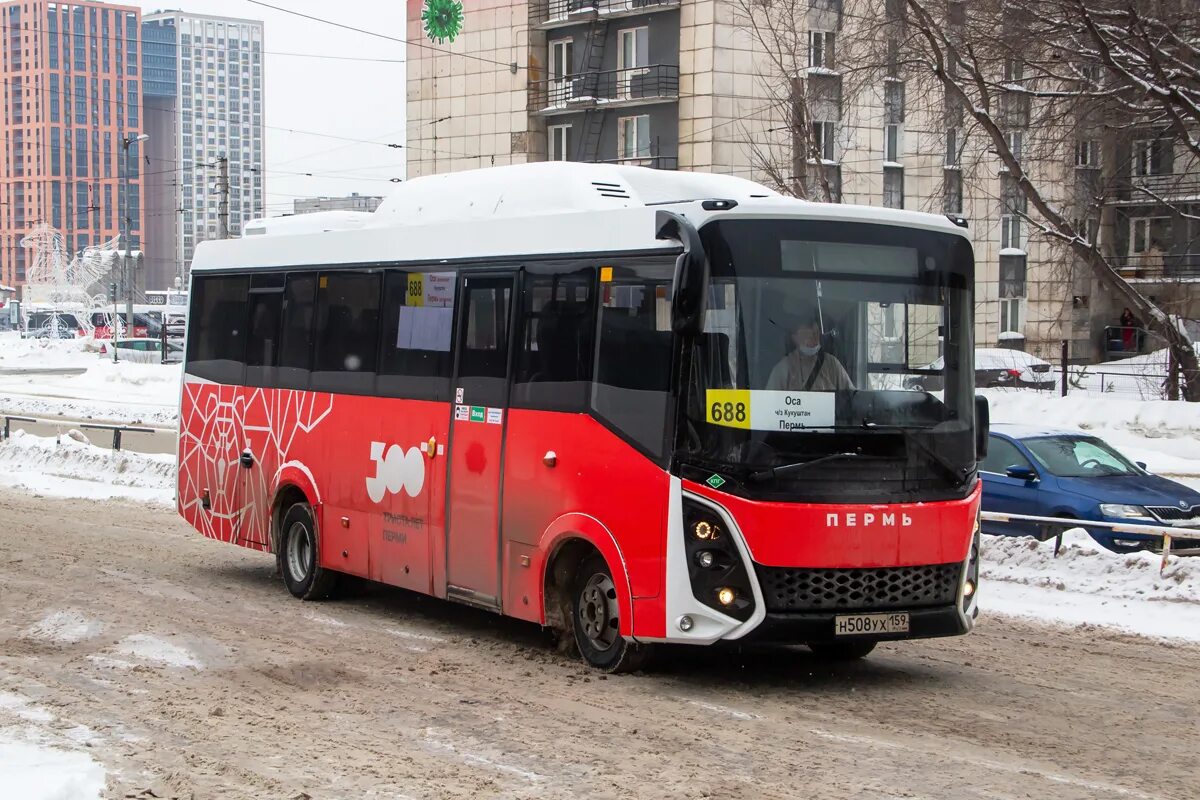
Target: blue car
[1050,473]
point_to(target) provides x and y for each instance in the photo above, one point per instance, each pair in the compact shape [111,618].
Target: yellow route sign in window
[728,407]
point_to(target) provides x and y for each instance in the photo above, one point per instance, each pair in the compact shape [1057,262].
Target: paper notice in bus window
[770,411]
[425,328]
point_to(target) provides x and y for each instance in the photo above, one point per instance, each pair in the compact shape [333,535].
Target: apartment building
[72,109]
[204,99]
[821,108]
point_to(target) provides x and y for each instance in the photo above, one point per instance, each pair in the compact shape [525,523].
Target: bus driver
[808,368]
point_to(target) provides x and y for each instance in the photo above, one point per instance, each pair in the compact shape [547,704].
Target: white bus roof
[554,207]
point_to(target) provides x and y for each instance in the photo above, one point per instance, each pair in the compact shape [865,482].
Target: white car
[995,368]
[142,351]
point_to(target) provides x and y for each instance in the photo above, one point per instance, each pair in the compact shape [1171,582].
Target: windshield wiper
[773,472]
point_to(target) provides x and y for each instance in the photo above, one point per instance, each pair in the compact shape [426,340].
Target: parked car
[1051,473]
[51,325]
[142,350]
[994,368]
[143,325]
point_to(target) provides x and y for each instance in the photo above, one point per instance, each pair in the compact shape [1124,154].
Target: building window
[952,198]
[891,144]
[633,137]
[893,187]
[561,67]
[820,49]
[1148,236]
[824,137]
[1087,153]
[1148,157]
[952,153]
[633,57]
[559,142]
[1014,70]
[1016,143]
[893,101]
[1010,315]
[1010,232]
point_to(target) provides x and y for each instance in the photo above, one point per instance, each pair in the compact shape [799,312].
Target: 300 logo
[395,469]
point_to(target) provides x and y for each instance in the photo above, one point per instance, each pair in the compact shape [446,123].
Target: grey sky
[356,99]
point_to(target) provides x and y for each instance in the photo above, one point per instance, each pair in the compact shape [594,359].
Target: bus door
[480,388]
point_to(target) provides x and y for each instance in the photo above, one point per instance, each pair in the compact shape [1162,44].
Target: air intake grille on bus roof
[797,589]
[611,189]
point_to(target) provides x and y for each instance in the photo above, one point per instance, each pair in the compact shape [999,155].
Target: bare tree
[1075,62]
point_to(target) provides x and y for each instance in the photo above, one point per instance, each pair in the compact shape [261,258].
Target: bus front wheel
[298,556]
[595,619]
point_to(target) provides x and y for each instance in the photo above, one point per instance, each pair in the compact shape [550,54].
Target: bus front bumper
[820,626]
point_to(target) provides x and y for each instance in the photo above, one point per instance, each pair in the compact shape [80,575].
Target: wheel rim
[299,551]
[598,618]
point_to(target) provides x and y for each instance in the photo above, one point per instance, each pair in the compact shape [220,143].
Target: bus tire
[595,620]
[841,651]
[298,556]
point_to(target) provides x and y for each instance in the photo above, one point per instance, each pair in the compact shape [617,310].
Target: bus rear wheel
[299,556]
[841,651]
[595,620]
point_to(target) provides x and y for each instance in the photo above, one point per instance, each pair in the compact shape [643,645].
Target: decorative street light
[126,224]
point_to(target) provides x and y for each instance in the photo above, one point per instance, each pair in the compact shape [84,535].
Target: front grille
[1174,513]
[799,589]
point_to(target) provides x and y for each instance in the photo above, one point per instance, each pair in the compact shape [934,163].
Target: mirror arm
[692,265]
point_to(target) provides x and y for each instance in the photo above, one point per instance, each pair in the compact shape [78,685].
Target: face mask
[809,351]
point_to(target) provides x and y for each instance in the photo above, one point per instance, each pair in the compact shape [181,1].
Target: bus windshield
[845,342]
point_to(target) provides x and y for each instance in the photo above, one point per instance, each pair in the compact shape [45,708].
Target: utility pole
[126,226]
[223,203]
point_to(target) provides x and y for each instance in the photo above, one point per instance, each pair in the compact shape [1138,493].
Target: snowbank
[37,762]
[33,770]
[67,468]
[1088,585]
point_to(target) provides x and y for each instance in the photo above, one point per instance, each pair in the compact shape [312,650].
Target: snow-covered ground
[64,467]
[120,392]
[43,757]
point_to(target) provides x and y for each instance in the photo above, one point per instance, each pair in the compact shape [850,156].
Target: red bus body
[473,504]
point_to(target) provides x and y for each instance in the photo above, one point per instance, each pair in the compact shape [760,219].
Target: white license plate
[867,624]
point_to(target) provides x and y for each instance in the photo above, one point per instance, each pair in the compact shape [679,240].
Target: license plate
[867,624]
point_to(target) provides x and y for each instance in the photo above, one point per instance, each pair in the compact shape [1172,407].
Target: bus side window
[554,356]
[417,327]
[631,390]
[294,360]
[266,307]
[347,332]
[217,339]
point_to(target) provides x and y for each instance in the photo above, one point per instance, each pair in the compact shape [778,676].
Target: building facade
[810,99]
[352,202]
[204,103]
[71,75]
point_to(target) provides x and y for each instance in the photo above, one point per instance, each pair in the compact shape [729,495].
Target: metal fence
[610,86]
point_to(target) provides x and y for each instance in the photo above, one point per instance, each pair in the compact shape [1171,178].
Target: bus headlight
[717,574]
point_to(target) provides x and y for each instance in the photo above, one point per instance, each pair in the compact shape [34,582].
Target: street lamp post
[126,224]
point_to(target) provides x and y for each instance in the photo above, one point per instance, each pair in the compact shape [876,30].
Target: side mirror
[1141,465]
[689,289]
[1021,473]
[983,426]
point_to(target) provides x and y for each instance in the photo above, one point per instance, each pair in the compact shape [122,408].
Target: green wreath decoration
[443,19]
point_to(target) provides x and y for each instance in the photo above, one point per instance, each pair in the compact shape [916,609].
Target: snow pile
[1088,585]
[38,764]
[158,651]
[1083,565]
[68,468]
[18,353]
[63,627]
[33,770]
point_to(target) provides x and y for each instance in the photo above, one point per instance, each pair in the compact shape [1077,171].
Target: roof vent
[611,189]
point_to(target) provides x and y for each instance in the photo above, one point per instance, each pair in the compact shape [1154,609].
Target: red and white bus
[577,395]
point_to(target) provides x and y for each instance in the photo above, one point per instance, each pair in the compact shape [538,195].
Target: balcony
[615,87]
[1156,267]
[1143,189]
[547,14]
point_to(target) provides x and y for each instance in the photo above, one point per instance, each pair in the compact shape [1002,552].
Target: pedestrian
[1129,330]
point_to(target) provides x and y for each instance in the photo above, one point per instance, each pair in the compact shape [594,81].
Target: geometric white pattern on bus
[219,423]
